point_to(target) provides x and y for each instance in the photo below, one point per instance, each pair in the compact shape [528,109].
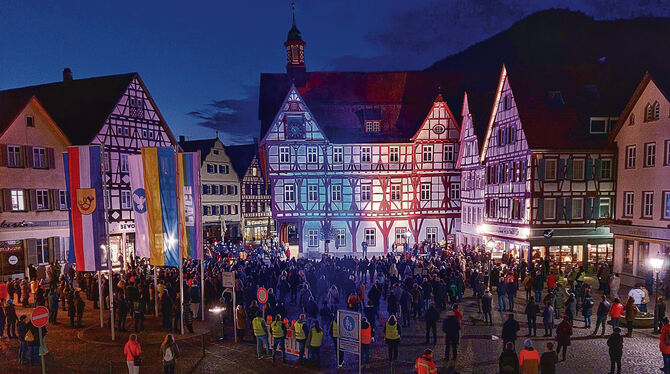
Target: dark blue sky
[201,60]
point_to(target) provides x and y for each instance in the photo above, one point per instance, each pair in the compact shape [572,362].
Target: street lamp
[656,264]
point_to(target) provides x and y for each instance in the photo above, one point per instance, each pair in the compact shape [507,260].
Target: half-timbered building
[641,227]
[115,111]
[550,173]
[257,225]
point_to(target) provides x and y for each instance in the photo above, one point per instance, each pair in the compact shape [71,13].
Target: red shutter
[27,156]
[4,154]
[32,200]
[51,158]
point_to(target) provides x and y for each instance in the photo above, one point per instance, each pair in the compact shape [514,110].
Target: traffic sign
[228,278]
[40,316]
[349,345]
[262,295]
[350,324]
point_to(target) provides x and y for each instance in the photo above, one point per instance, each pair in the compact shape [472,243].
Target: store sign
[11,245]
[647,232]
[13,260]
[256,223]
[504,231]
[120,227]
[7,225]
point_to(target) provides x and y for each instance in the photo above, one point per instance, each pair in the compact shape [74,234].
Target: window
[312,192]
[224,169]
[125,199]
[431,234]
[631,119]
[394,154]
[425,191]
[151,134]
[206,211]
[630,156]
[395,192]
[215,189]
[42,250]
[666,205]
[337,192]
[211,168]
[39,158]
[42,199]
[284,155]
[372,126]
[427,153]
[605,169]
[370,237]
[124,163]
[604,207]
[30,121]
[62,200]
[18,201]
[657,110]
[366,192]
[366,154]
[516,209]
[312,155]
[144,134]
[648,113]
[549,208]
[649,155]
[511,134]
[215,210]
[455,190]
[449,153]
[13,156]
[289,192]
[577,208]
[550,169]
[628,203]
[502,136]
[340,238]
[337,155]
[598,125]
[506,102]
[578,169]
[647,204]
[126,131]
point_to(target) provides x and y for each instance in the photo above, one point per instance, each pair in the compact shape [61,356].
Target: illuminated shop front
[634,246]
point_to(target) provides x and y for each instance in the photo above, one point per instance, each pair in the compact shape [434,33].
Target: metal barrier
[191,352]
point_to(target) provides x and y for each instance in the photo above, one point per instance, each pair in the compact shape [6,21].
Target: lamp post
[220,311]
[656,263]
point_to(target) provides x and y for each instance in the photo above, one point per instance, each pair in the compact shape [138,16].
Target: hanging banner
[160,187]
[83,176]
[139,203]
[190,221]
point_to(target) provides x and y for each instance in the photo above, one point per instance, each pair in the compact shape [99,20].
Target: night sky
[201,60]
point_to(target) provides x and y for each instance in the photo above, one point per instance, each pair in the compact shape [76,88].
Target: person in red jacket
[551,281]
[132,351]
[425,364]
[529,359]
[664,345]
[615,312]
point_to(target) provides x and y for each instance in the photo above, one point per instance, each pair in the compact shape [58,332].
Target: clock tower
[295,46]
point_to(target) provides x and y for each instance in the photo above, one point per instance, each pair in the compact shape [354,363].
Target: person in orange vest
[366,341]
[615,312]
[529,359]
[424,364]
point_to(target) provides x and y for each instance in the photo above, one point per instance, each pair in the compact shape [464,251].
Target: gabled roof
[204,146]
[241,156]
[342,101]
[662,81]
[555,104]
[80,107]
[480,103]
[11,106]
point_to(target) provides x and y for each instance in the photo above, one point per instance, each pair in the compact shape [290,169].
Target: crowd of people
[416,285]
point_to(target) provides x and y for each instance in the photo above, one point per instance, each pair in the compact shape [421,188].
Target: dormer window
[372,126]
[652,112]
[30,121]
[598,125]
[631,120]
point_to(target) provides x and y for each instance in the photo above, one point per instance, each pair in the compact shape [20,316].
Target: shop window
[627,266]
[642,255]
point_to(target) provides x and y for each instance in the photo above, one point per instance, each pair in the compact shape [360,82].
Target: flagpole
[201,241]
[202,285]
[102,319]
[109,250]
[180,240]
[181,291]
[156,290]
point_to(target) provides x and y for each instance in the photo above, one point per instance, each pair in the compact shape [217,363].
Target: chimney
[182,138]
[67,75]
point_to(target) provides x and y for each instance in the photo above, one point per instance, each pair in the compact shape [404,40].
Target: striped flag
[160,186]
[190,220]
[139,203]
[83,176]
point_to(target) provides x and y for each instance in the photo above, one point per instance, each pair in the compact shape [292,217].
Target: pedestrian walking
[170,352]
[451,328]
[133,353]
[615,344]
[571,307]
[432,316]
[501,289]
[241,321]
[531,315]
[630,312]
[587,309]
[487,300]
[529,358]
[509,330]
[601,314]
[392,333]
[425,364]
[563,334]
[548,360]
[508,362]
[548,319]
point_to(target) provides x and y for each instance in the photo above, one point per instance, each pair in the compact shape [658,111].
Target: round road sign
[262,295]
[13,260]
[348,323]
[40,316]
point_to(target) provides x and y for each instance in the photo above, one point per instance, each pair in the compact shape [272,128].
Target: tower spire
[295,55]
[293,11]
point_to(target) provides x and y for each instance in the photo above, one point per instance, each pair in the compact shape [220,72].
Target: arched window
[657,110]
[648,113]
[631,120]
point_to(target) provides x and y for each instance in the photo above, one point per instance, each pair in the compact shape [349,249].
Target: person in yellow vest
[335,334]
[261,333]
[278,330]
[300,330]
[315,339]
[392,337]
[366,341]
[425,363]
